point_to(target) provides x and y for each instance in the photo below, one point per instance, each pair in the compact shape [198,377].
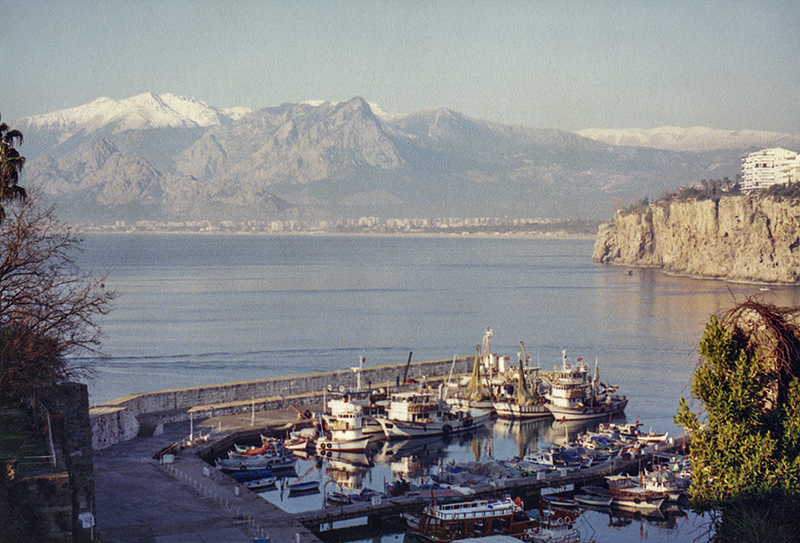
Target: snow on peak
[136,113]
[382,114]
[696,138]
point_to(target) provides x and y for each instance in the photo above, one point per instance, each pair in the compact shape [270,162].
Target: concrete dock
[141,500]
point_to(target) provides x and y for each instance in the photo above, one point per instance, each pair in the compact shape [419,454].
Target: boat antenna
[405,376]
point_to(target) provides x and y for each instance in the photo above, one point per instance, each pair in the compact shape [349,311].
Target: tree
[11,164]
[746,454]
[47,303]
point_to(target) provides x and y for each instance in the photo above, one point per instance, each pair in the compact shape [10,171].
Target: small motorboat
[303,486]
[559,501]
[593,500]
[339,498]
[258,484]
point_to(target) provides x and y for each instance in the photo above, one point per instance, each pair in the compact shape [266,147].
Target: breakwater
[125,418]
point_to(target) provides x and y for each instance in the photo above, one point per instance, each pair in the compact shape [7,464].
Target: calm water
[203,309]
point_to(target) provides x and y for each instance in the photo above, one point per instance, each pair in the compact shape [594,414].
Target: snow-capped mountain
[142,112]
[697,138]
[176,158]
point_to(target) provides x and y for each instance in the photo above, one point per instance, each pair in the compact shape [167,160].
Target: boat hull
[514,411]
[333,445]
[398,429]
[588,412]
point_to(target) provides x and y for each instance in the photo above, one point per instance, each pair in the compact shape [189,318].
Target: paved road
[139,500]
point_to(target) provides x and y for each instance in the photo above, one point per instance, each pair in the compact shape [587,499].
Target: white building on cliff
[762,169]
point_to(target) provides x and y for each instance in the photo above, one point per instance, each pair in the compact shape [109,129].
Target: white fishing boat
[341,401]
[344,431]
[420,414]
[576,396]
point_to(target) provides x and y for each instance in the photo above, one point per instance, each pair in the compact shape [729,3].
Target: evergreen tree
[746,454]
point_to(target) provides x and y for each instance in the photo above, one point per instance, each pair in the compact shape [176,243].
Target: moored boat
[628,495]
[528,404]
[260,484]
[303,486]
[555,526]
[576,396]
[418,414]
[480,518]
[593,500]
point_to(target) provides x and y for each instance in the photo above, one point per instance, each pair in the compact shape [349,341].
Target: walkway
[140,500]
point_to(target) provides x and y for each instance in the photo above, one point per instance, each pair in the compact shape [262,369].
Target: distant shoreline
[480,235]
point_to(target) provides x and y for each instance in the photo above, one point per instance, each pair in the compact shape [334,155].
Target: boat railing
[473,510]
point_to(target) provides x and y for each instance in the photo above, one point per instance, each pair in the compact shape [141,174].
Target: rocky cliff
[737,238]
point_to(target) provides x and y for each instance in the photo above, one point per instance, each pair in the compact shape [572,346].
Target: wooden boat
[652,437]
[303,486]
[559,501]
[417,414]
[593,500]
[338,498]
[249,475]
[555,526]
[576,396]
[528,404]
[259,484]
[480,518]
[628,495]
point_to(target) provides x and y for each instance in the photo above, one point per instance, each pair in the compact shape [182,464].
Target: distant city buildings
[364,225]
[762,169]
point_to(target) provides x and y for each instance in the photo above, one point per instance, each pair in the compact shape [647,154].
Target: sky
[546,64]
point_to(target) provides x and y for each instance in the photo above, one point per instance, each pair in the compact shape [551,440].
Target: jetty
[526,488]
[157,483]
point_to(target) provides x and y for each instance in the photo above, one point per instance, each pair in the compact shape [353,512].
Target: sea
[198,309]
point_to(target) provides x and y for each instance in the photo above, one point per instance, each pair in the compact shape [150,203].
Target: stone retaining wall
[121,419]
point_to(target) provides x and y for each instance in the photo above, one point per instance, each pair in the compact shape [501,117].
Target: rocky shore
[735,238]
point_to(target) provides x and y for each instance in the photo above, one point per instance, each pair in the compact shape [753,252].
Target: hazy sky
[547,64]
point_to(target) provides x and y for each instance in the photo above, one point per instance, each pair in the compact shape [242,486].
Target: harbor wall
[126,417]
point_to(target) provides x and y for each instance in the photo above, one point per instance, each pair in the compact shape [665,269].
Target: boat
[559,501]
[344,430]
[302,440]
[555,526]
[628,495]
[664,482]
[273,462]
[259,484]
[593,500]
[576,396]
[480,518]
[555,458]
[528,404]
[249,475]
[652,437]
[303,487]
[414,414]
[338,498]
[340,402]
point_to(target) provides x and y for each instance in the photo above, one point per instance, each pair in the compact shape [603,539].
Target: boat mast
[361,360]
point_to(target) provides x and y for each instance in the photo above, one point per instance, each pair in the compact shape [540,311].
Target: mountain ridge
[171,157]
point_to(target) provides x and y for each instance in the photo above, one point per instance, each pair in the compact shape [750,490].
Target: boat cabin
[482,518]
